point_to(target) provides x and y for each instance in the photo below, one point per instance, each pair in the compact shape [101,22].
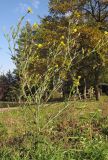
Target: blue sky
[11,11]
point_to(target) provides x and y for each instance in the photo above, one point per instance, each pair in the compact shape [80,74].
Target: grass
[71,131]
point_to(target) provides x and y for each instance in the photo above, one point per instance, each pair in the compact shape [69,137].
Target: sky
[10,12]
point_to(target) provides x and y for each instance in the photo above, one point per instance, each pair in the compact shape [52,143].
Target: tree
[9,87]
[97,10]
[13,89]
[3,87]
[68,34]
[90,12]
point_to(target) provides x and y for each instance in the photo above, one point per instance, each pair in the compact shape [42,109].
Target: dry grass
[15,118]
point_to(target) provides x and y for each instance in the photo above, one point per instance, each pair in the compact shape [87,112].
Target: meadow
[73,130]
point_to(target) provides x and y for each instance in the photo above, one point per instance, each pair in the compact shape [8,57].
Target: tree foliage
[72,40]
[9,87]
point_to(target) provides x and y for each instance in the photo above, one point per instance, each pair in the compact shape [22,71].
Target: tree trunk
[97,92]
[96,86]
[85,89]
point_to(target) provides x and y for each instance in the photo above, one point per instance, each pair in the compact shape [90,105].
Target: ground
[65,125]
[14,116]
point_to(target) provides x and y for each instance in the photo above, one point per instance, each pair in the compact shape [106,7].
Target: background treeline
[77,30]
[9,87]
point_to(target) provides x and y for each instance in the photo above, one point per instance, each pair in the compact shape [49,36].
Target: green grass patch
[59,131]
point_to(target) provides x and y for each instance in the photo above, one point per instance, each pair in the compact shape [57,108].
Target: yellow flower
[106,33]
[79,77]
[35,25]
[62,43]
[29,10]
[77,14]
[40,45]
[75,30]
[56,65]
[62,37]
[76,83]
